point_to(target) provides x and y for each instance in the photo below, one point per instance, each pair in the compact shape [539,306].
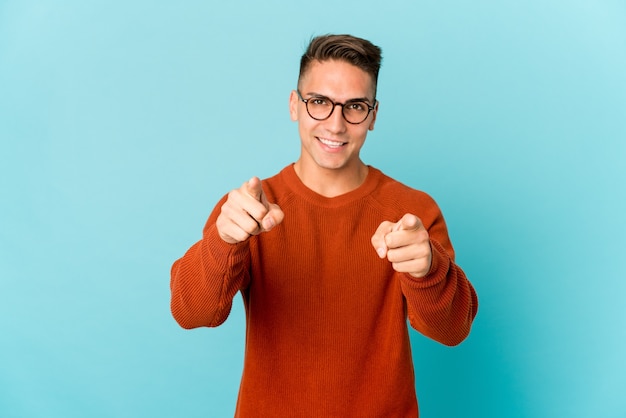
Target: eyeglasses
[353,111]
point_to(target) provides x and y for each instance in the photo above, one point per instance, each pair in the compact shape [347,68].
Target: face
[332,144]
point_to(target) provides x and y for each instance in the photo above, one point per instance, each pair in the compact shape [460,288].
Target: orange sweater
[326,318]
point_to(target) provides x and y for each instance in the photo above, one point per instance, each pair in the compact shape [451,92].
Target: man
[331,257]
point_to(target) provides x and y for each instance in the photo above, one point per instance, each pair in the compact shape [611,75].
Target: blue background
[122,123]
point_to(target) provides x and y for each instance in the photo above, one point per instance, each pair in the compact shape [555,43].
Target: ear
[374,113]
[293,105]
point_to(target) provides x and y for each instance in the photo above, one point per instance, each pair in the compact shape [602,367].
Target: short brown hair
[356,51]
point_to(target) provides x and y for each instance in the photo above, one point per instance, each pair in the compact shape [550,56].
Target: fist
[247,212]
[406,244]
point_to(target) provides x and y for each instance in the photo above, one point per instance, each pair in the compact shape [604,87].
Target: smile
[331,144]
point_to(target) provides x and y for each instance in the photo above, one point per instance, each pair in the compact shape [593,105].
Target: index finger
[254,189]
[409,222]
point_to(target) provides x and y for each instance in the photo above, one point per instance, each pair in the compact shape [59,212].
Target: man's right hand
[247,212]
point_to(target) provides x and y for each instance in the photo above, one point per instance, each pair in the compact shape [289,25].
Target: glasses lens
[355,112]
[319,108]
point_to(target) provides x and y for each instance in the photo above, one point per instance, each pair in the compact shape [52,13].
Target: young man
[331,257]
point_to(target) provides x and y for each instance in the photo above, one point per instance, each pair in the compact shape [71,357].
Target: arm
[441,301]
[441,305]
[207,278]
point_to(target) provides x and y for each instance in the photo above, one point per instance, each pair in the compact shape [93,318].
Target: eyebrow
[357,99]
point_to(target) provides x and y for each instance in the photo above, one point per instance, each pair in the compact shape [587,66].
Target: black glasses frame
[335,104]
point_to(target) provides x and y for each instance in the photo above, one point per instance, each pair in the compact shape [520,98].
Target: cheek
[360,134]
[305,128]
[306,124]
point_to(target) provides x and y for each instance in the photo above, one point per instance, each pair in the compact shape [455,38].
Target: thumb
[378,239]
[255,190]
[274,217]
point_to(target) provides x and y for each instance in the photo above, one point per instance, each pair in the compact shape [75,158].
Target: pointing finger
[408,223]
[407,231]
[254,189]
[273,214]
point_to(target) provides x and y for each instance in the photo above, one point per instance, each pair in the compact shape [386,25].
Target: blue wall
[121,124]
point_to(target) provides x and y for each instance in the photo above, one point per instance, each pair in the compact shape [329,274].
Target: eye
[356,106]
[319,101]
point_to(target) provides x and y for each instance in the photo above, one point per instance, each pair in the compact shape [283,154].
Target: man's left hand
[405,244]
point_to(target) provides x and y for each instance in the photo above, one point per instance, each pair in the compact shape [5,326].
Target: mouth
[331,144]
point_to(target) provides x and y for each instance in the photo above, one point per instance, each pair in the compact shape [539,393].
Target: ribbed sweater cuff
[223,254]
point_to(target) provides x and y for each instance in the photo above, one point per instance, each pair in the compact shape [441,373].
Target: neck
[331,182]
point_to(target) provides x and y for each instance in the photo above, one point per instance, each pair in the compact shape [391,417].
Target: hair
[356,51]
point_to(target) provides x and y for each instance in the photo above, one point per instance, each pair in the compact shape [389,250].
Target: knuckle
[399,267]
[241,235]
[226,210]
[422,235]
[389,240]
[233,195]
[258,213]
[250,226]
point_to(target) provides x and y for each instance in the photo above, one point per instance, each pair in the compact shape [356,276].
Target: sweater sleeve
[205,280]
[443,304]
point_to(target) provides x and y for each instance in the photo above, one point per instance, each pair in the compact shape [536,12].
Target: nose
[336,122]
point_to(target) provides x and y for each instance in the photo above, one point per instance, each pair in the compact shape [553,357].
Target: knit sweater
[326,318]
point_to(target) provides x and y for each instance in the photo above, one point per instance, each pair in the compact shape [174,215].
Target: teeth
[332,144]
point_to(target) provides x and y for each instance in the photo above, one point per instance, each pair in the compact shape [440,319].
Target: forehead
[338,80]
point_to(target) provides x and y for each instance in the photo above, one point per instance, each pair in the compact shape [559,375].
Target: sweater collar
[367,187]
